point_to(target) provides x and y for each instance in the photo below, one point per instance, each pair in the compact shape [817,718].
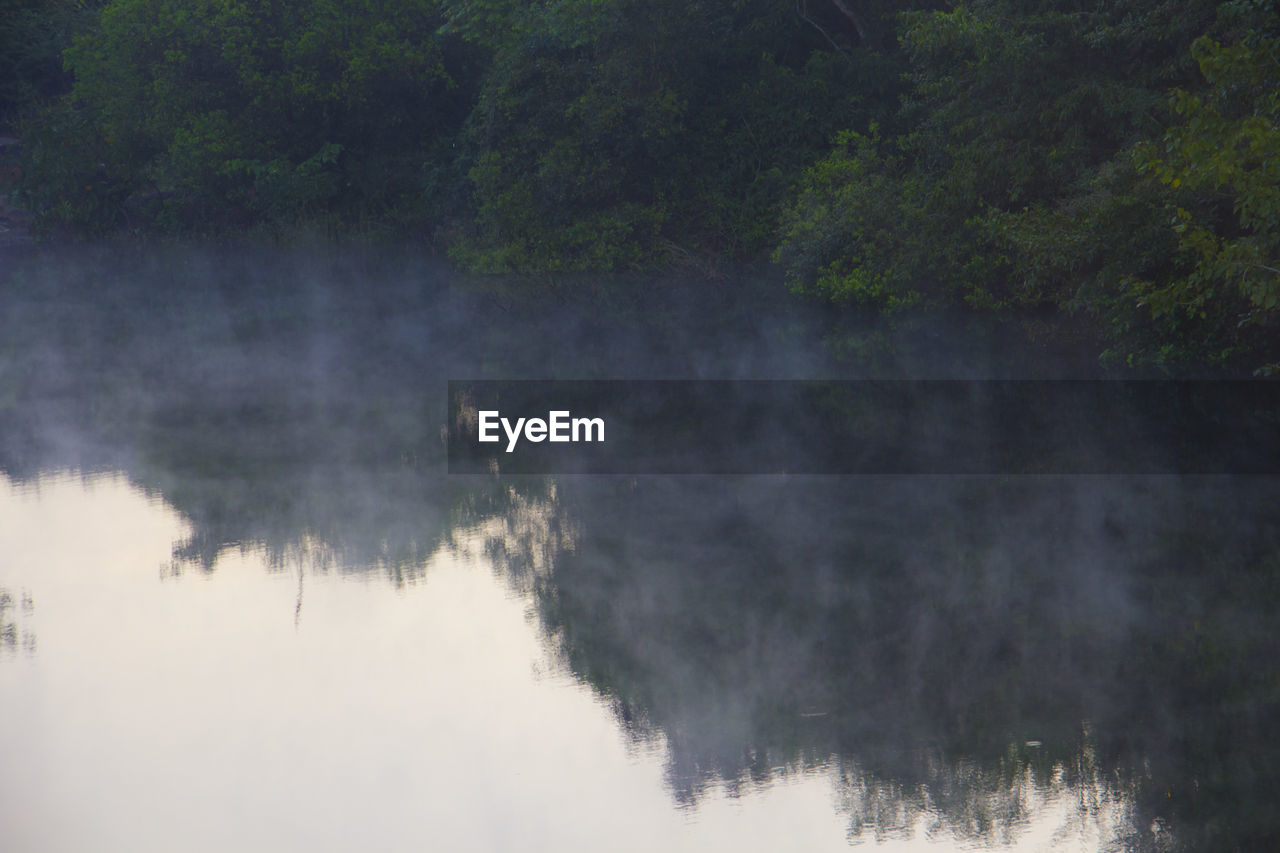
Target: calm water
[242,605]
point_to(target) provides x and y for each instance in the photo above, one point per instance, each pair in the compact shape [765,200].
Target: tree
[845,237]
[1012,183]
[224,112]
[1222,159]
[613,134]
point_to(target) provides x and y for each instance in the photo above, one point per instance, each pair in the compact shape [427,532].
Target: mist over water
[242,603]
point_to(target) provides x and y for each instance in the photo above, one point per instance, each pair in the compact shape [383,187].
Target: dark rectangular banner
[864,427]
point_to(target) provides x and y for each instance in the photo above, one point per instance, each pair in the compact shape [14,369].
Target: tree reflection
[283,405]
[940,641]
[15,610]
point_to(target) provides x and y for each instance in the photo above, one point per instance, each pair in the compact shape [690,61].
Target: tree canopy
[1114,161]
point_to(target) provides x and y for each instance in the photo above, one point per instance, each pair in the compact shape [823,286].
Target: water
[242,605]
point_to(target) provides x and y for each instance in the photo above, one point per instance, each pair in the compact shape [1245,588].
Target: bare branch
[847,11]
[800,10]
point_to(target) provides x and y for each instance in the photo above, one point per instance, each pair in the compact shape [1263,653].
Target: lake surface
[244,606]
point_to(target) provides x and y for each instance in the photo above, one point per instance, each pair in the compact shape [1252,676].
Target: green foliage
[222,112]
[1031,169]
[69,174]
[1019,109]
[1003,155]
[844,238]
[1222,159]
[612,134]
[1010,107]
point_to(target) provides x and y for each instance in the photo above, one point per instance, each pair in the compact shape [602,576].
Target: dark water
[243,605]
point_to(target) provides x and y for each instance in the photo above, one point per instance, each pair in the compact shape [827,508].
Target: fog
[1082,661]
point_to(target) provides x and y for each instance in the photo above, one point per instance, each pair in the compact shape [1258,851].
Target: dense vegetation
[1118,160]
